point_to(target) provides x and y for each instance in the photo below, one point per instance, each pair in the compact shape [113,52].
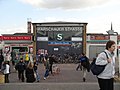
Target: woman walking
[6,71]
[105,79]
[29,73]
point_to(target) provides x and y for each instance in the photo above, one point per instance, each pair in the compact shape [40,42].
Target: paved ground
[67,79]
[68,74]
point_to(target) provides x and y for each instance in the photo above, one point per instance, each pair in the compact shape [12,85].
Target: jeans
[46,73]
[37,75]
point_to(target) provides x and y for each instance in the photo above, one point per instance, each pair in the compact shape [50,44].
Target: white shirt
[7,69]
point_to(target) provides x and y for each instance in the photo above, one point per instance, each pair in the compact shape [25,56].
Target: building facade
[65,39]
[20,42]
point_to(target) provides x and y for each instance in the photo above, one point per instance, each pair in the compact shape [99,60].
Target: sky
[99,14]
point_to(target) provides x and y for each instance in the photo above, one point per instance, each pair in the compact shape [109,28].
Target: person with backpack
[106,77]
[85,64]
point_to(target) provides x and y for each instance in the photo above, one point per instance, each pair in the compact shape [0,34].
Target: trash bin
[2,78]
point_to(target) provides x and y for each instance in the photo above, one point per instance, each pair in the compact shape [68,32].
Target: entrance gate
[60,39]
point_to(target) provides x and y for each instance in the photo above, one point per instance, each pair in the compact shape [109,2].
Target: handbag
[97,69]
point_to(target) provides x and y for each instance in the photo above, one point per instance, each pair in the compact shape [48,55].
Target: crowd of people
[27,66]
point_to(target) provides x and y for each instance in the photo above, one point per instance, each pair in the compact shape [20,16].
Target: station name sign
[59,28]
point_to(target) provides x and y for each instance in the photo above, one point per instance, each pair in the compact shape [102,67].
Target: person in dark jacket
[13,56]
[1,59]
[51,61]
[85,64]
[20,66]
[29,73]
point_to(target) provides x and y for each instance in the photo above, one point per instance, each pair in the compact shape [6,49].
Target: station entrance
[65,40]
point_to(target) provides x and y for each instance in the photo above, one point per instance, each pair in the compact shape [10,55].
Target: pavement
[67,79]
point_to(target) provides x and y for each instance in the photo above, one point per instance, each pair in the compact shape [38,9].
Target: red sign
[17,38]
[99,37]
[0,38]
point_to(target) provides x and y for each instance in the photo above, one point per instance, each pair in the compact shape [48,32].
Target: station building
[59,38]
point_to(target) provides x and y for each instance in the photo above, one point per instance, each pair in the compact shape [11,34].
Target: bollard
[2,78]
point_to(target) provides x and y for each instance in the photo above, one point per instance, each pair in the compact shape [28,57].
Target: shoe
[84,79]
[47,77]
[76,69]
[44,78]
[38,81]
[22,80]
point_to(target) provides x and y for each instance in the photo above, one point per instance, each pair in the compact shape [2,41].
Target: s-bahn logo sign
[59,37]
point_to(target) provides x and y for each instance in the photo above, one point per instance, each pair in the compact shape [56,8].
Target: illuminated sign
[76,39]
[59,37]
[17,38]
[42,38]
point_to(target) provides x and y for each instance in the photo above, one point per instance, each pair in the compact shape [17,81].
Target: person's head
[82,54]
[21,59]
[110,45]
[30,65]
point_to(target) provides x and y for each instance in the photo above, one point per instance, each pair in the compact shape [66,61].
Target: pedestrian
[26,58]
[36,70]
[47,67]
[7,57]
[20,67]
[1,58]
[29,73]
[106,78]
[51,61]
[85,65]
[6,71]
[13,56]
[79,66]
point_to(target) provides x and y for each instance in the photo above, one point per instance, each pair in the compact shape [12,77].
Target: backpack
[97,69]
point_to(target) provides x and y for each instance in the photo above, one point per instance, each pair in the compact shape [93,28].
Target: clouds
[65,4]
[97,13]
[12,30]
